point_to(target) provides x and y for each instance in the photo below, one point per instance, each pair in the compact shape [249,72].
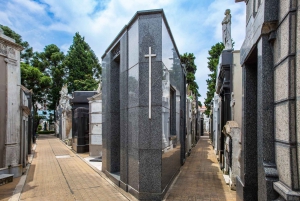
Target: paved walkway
[200,178]
[56,173]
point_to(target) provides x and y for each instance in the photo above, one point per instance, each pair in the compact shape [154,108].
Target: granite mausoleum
[144,95]
[270,158]
[80,120]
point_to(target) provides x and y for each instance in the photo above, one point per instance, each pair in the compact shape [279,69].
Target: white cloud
[195,28]
[29,5]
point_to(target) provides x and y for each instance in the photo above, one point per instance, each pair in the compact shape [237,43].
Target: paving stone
[200,178]
[52,178]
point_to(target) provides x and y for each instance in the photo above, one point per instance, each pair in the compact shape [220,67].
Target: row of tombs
[142,134]
[148,122]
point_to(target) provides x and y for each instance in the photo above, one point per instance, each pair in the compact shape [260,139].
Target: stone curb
[18,190]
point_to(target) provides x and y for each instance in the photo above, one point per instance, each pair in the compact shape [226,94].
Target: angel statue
[226,28]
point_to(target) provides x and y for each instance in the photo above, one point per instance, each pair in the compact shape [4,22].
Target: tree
[33,78]
[189,60]
[27,53]
[213,61]
[50,62]
[82,65]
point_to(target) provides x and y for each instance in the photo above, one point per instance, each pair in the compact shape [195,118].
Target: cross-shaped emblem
[150,55]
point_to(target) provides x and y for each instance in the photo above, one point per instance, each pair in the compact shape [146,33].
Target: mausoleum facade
[143,109]
[270,159]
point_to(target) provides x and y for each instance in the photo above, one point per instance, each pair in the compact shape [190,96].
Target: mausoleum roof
[133,19]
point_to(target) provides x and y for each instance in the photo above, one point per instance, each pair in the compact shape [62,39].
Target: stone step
[6,178]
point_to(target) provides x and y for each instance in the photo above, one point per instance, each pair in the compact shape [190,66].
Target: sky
[195,24]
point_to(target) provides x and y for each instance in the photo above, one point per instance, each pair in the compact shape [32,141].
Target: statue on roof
[226,28]
[99,89]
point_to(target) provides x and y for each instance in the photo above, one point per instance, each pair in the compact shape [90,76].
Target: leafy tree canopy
[189,60]
[33,78]
[213,61]
[82,64]
[27,53]
[50,62]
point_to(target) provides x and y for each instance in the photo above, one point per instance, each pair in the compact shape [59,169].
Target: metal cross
[150,55]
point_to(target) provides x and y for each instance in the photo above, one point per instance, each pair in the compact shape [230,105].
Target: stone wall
[10,110]
[286,46]
[269,56]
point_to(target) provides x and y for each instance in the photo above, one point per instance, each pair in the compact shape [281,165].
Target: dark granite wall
[132,143]
[270,46]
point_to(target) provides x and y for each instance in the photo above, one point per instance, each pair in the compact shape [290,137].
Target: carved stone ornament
[11,61]
[3,49]
[11,53]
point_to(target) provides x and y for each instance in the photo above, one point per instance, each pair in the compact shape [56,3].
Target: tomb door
[172,111]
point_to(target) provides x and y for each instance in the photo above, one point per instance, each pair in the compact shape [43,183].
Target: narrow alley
[56,173]
[200,178]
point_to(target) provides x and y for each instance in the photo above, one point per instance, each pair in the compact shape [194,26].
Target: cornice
[9,43]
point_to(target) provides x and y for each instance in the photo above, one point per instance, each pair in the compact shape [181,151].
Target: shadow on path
[200,178]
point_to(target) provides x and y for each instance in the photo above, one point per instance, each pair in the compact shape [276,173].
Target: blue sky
[195,24]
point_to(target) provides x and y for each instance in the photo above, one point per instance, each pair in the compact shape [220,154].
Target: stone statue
[226,28]
[1,31]
[64,98]
[99,89]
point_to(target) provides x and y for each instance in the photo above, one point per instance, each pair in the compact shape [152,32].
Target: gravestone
[143,108]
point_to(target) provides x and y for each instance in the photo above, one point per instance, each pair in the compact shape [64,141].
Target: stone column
[247,181]
[267,172]
[124,112]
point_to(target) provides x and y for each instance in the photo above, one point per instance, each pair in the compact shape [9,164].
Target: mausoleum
[143,109]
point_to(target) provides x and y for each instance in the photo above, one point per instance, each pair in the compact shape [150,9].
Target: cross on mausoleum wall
[150,55]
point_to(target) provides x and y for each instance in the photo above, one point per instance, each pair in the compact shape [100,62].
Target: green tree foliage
[83,67]
[33,78]
[27,53]
[213,61]
[189,60]
[50,62]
